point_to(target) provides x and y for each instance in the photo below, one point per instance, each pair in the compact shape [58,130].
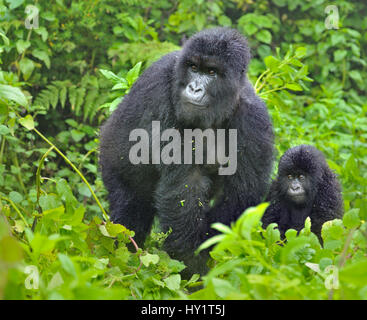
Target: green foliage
[121,85]
[252,263]
[60,81]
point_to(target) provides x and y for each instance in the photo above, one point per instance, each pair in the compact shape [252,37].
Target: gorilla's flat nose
[195,91]
[194,88]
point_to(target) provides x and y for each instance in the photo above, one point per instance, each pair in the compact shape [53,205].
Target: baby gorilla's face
[297,188]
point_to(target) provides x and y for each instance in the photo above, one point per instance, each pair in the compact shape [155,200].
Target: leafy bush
[252,263]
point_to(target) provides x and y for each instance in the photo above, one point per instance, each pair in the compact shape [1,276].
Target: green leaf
[5,38]
[224,21]
[249,29]
[294,86]
[264,36]
[42,32]
[110,75]
[210,242]
[300,52]
[67,264]
[222,287]
[325,262]
[56,281]
[22,45]
[250,219]
[114,229]
[49,16]
[49,201]
[133,74]
[272,63]
[280,3]
[339,55]
[148,259]
[4,130]
[272,234]
[19,226]
[27,122]
[43,56]
[15,196]
[222,228]
[355,273]
[173,282]
[121,86]
[41,244]
[13,94]
[26,67]
[77,135]
[54,214]
[14,3]
[355,75]
[200,20]
[351,218]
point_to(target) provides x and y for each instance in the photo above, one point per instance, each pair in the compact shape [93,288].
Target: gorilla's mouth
[296,193]
[298,197]
[198,105]
[195,105]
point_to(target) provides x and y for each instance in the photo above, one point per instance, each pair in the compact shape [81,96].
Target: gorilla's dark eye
[301,177]
[212,72]
[290,177]
[194,68]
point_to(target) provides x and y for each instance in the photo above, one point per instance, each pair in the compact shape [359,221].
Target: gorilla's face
[206,95]
[297,186]
[300,172]
[210,72]
[195,96]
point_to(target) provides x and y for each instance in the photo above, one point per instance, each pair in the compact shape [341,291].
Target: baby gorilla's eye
[194,68]
[290,177]
[212,72]
[301,177]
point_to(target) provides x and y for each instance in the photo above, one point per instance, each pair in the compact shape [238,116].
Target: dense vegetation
[60,80]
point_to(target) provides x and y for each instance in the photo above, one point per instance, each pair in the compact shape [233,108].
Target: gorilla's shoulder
[251,99]
[253,108]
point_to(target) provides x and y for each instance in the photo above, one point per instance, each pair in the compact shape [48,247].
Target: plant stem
[2,149]
[77,171]
[16,163]
[16,209]
[272,90]
[343,257]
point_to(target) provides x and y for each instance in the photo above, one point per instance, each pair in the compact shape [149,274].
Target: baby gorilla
[305,187]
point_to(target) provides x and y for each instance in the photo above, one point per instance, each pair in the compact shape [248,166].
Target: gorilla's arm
[131,186]
[328,204]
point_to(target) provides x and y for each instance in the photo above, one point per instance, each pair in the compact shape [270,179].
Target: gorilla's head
[210,71]
[299,174]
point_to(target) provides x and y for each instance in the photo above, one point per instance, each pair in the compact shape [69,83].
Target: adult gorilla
[202,86]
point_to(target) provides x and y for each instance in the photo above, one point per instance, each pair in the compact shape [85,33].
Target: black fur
[139,192]
[324,200]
